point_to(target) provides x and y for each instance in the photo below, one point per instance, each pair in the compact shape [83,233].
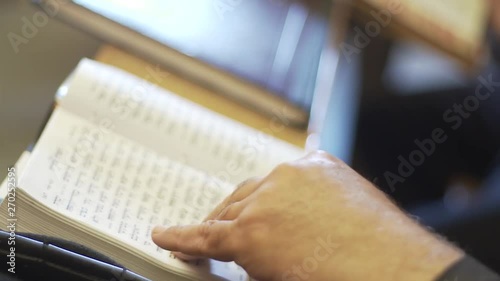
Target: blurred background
[30,78]
[411,102]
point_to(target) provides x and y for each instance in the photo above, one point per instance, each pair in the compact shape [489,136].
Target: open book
[18,168]
[120,155]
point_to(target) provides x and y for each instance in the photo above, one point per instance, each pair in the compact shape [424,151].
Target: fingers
[242,191]
[231,211]
[209,239]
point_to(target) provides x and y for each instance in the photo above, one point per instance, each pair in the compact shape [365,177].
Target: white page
[120,187]
[173,126]
[19,169]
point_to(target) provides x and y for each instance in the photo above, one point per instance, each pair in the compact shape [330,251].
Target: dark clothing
[468,269]
[413,147]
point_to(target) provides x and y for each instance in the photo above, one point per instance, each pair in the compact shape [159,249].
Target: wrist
[399,249]
[429,263]
[424,256]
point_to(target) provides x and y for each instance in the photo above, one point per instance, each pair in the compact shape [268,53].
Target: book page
[19,169]
[120,188]
[172,126]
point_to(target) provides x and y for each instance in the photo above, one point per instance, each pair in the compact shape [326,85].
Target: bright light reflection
[163,20]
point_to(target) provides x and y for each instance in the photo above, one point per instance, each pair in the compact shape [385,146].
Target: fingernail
[158,229]
[184,257]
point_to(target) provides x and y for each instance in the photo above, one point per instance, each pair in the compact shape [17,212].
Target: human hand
[316,219]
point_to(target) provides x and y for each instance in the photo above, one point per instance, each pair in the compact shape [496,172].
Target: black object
[468,269]
[474,228]
[36,257]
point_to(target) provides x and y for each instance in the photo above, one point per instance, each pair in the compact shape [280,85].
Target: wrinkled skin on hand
[313,219]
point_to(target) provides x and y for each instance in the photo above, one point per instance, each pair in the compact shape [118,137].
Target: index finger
[209,239]
[243,190]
